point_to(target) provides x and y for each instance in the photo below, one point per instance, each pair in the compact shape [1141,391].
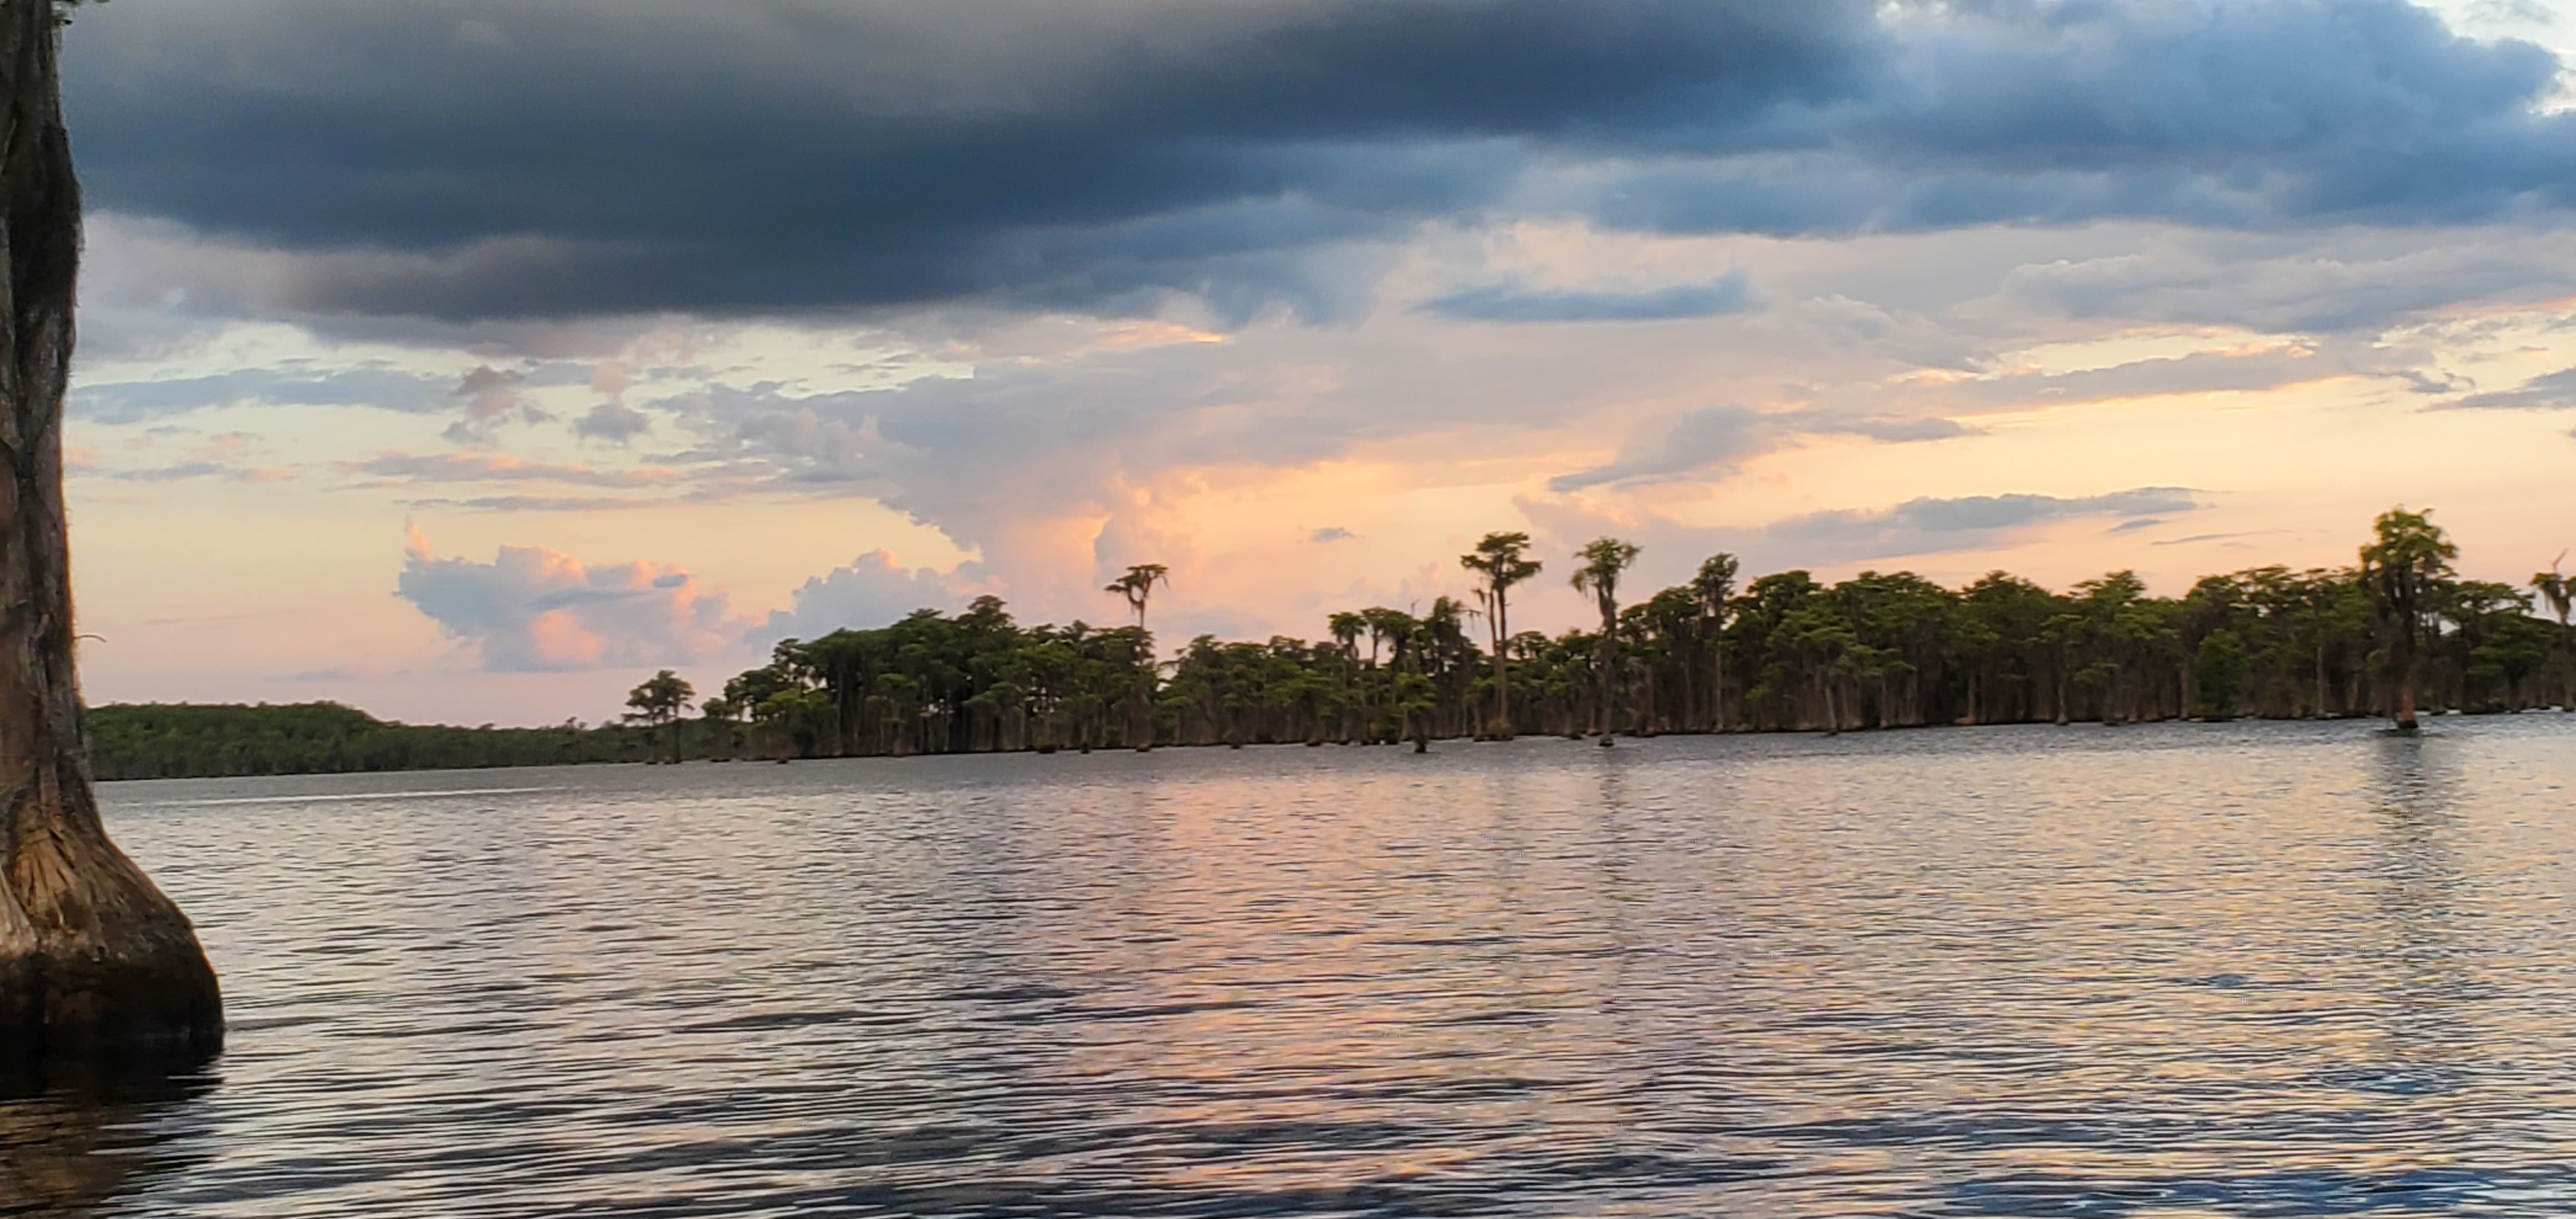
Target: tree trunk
[93,958]
[1717,696]
[2406,687]
[1605,714]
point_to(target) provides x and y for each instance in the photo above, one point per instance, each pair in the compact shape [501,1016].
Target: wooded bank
[1788,653]
[1785,653]
[175,741]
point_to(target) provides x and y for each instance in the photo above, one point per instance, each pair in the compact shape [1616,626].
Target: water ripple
[2163,971]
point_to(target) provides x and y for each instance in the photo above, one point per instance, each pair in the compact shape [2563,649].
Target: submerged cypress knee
[93,958]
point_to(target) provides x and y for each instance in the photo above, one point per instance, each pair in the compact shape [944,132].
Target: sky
[468,361]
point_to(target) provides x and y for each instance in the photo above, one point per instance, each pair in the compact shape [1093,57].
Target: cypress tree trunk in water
[2406,682]
[93,958]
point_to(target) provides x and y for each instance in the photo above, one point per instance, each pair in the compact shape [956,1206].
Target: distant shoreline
[232,741]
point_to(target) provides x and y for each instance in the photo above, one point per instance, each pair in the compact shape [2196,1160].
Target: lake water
[2179,970]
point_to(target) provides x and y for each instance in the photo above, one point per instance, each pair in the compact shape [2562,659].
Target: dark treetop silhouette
[659,701]
[156,741]
[1785,652]
[93,958]
[1603,561]
[1781,653]
[2408,571]
[1501,560]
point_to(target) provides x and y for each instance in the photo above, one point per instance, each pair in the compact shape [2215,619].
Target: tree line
[2396,630]
[2396,633]
[181,741]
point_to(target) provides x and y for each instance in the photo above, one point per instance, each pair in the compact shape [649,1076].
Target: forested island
[2397,631]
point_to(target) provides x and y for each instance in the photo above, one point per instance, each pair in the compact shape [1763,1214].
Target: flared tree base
[150,1008]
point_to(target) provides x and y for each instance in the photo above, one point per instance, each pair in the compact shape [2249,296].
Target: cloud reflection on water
[2247,969]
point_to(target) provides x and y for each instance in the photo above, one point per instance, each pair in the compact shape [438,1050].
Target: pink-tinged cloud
[532,609]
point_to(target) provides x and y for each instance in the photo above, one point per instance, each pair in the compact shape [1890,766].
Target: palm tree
[2406,569]
[1715,586]
[1137,586]
[1502,560]
[94,959]
[1603,560]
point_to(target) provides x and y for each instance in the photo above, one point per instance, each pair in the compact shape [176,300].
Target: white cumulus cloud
[532,609]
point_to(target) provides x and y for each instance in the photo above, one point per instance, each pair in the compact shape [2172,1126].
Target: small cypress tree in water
[94,960]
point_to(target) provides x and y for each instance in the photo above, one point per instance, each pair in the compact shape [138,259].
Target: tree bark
[1717,696]
[93,958]
[1606,712]
[2405,714]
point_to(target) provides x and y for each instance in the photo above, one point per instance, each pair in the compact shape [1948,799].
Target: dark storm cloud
[472,158]
[2255,114]
[634,154]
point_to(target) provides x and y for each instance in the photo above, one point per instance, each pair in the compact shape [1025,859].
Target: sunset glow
[1937,287]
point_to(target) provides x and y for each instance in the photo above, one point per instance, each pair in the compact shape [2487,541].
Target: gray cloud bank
[1714,440]
[1512,303]
[2547,392]
[1928,524]
[1911,530]
[477,159]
